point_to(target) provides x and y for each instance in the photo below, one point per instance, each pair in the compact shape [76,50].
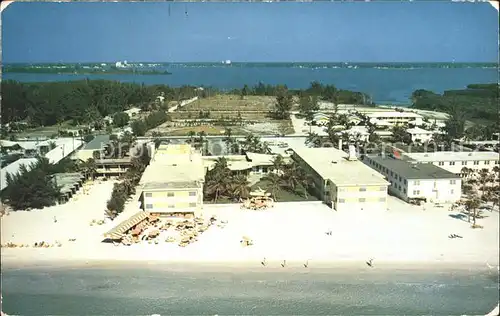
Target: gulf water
[386,84]
[145,290]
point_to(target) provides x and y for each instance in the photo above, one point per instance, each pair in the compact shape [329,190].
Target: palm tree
[313,140]
[239,185]
[484,179]
[191,135]
[472,209]
[278,164]
[275,182]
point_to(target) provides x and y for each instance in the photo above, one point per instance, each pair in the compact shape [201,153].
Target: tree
[275,182]
[120,119]
[217,180]
[308,105]
[399,135]
[278,163]
[313,140]
[240,186]
[472,209]
[32,188]
[283,104]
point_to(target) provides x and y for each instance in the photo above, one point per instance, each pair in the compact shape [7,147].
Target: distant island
[81,69]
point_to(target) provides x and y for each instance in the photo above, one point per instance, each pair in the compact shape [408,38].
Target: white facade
[454,161]
[396,117]
[420,134]
[410,181]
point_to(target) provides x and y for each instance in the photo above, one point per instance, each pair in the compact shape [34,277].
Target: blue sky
[268,32]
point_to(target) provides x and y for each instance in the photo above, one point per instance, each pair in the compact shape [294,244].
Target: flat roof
[97,143]
[409,170]
[13,169]
[453,156]
[160,175]
[331,163]
[418,130]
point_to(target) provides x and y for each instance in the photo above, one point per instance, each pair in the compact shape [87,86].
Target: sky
[418,31]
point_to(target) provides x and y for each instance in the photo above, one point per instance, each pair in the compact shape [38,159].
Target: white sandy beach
[294,232]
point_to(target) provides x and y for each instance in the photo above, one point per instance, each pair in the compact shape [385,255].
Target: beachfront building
[341,180]
[173,181]
[132,112]
[97,144]
[395,117]
[455,161]
[69,183]
[418,134]
[112,167]
[414,181]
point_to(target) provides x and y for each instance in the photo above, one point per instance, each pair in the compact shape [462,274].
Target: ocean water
[386,84]
[146,291]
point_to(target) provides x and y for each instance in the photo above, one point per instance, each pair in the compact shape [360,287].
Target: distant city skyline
[418,31]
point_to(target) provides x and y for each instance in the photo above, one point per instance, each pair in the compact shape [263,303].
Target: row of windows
[362,200]
[464,163]
[417,182]
[171,194]
[150,206]
[362,189]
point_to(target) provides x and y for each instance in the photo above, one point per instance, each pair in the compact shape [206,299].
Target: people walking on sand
[370,263]
[55,219]
[263,262]
[306,264]
[283,264]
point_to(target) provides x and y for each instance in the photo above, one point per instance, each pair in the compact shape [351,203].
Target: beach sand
[402,236]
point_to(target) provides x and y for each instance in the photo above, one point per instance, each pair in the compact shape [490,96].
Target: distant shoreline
[83,72]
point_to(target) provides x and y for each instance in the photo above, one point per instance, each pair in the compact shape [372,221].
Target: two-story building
[455,161]
[341,180]
[411,180]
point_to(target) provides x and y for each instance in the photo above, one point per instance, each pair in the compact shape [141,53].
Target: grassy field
[283,195]
[47,131]
[209,130]
[231,103]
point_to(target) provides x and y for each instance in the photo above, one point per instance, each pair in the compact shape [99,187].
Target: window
[170,194]
[192,193]
[453,181]
[486,162]
[341,189]
[416,182]
[381,199]
[416,192]
[362,189]
[149,206]
[452,163]
[496,162]
[452,191]
[171,206]
[400,178]
[441,163]
[464,163]
[361,200]
[382,189]
[476,162]
[192,204]
[404,191]
[149,194]
[341,200]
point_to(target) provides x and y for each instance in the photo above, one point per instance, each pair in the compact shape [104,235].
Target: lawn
[209,130]
[231,103]
[47,131]
[284,195]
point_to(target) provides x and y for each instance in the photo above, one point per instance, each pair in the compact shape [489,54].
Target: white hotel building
[410,180]
[455,161]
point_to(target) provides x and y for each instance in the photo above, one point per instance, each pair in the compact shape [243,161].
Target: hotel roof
[97,143]
[13,169]
[332,164]
[453,156]
[409,170]
[418,130]
[162,175]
